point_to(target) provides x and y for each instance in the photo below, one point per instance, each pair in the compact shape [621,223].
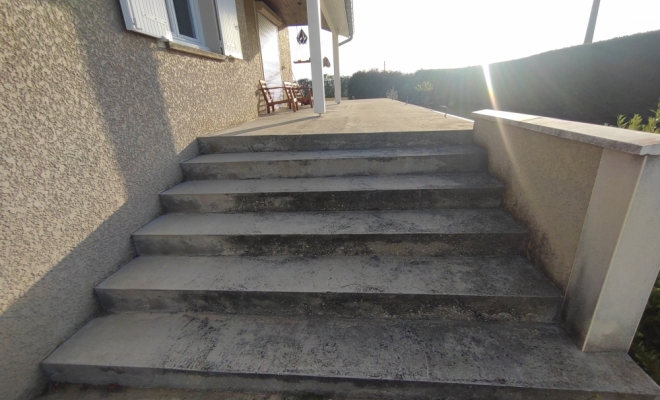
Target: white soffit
[334,12]
[264,10]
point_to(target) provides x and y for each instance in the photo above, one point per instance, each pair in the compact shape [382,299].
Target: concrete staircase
[366,265]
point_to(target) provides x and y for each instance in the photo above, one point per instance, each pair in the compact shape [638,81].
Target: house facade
[101,100]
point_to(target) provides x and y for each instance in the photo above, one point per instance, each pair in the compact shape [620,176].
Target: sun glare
[489,85]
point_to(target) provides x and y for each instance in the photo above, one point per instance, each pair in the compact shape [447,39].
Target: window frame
[196,23]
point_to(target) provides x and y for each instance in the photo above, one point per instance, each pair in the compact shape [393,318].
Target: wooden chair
[302,94]
[288,87]
[268,93]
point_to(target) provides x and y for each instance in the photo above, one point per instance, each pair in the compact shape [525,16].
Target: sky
[428,34]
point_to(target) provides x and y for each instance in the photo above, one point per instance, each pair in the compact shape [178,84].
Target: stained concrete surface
[351,116]
[422,232]
[331,141]
[337,354]
[412,192]
[456,158]
[61,391]
[486,276]
[338,184]
[334,154]
[334,223]
[548,182]
[405,287]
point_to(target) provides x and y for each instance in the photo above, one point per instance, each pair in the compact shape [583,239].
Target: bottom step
[362,358]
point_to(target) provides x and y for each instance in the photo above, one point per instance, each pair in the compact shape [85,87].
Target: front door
[270,55]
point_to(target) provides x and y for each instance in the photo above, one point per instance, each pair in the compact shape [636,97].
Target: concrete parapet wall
[590,196]
[548,184]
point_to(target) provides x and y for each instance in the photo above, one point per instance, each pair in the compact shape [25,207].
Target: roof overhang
[336,15]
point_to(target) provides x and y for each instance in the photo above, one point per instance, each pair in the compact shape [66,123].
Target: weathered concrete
[338,303]
[95,120]
[354,116]
[618,259]
[423,232]
[63,391]
[548,184]
[447,288]
[412,192]
[608,137]
[344,356]
[331,141]
[305,164]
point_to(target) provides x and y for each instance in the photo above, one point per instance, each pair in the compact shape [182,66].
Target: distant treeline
[589,83]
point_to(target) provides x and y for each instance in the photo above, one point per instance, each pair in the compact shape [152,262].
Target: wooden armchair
[303,95]
[288,86]
[268,93]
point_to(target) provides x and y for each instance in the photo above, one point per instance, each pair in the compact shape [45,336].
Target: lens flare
[489,86]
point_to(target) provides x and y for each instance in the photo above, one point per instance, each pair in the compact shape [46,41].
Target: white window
[210,25]
[185,22]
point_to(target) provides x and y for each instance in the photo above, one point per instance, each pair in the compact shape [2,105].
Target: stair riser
[246,144]
[335,201]
[477,244]
[355,388]
[335,167]
[348,305]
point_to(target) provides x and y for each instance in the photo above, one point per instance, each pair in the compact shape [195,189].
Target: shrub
[645,348]
[636,123]
[392,94]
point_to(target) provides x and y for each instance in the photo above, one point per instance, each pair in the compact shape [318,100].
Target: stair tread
[334,154]
[468,276]
[446,181]
[331,141]
[128,346]
[444,221]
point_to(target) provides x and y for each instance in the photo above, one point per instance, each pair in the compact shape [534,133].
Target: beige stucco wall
[548,181]
[285,54]
[94,122]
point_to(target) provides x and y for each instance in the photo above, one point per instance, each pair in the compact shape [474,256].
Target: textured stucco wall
[285,54]
[94,122]
[548,181]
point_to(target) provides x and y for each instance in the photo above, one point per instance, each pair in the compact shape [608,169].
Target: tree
[392,94]
[424,87]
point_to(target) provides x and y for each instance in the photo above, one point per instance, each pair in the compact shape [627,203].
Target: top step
[331,141]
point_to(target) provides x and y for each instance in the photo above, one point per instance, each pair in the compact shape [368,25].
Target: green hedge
[589,83]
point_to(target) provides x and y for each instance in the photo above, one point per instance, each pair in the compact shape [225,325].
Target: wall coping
[624,140]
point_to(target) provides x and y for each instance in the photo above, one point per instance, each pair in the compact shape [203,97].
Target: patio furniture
[303,95]
[269,96]
[288,86]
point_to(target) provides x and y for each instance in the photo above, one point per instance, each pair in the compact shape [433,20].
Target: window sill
[182,48]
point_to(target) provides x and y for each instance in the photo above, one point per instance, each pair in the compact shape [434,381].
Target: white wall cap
[634,142]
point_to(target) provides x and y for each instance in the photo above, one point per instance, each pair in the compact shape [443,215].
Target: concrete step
[478,289]
[359,357]
[308,164]
[331,141]
[415,233]
[412,192]
[70,391]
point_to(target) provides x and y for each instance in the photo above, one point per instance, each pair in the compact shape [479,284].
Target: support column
[617,258]
[591,28]
[316,58]
[335,60]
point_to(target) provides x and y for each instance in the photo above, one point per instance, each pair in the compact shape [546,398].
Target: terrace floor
[351,116]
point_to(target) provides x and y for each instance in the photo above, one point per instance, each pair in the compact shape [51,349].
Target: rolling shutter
[270,55]
[148,17]
[228,19]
